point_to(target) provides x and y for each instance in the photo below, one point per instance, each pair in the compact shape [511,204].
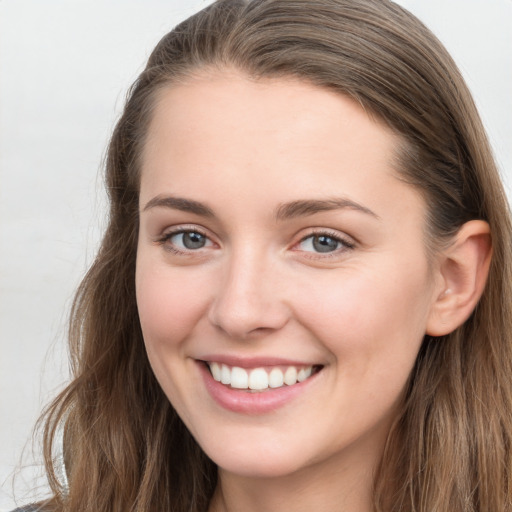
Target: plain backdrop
[65,66]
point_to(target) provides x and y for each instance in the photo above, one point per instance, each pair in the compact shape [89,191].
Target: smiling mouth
[260,379]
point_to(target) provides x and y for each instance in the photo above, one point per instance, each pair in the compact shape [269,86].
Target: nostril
[247,325]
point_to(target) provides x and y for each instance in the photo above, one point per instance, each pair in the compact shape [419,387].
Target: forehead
[231,100]
[276,138]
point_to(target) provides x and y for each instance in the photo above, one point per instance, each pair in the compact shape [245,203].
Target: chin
[256,461]
[260,468]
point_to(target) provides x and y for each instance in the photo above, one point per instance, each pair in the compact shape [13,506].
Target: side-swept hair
[450,447]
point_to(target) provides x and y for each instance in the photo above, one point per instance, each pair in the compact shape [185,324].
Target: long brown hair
[450,447]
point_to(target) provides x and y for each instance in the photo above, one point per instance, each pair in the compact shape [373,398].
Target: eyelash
[166,237]
[345,243]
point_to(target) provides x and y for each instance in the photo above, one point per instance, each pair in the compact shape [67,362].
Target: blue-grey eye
[320,243]
[189,240]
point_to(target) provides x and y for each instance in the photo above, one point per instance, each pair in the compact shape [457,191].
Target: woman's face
[279,251]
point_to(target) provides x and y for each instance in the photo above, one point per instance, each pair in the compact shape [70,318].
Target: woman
[301,300]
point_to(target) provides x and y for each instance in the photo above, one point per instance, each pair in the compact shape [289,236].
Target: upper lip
[254,362]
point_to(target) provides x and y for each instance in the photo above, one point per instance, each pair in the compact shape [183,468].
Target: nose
[249,300]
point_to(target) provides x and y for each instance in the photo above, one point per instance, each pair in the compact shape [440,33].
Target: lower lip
[247,402]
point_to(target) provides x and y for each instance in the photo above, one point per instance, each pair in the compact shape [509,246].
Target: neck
[333,487]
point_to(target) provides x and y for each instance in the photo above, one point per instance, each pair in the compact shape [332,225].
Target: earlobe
[463,269]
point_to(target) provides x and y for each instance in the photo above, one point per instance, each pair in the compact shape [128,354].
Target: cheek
[369,316]
[169,303]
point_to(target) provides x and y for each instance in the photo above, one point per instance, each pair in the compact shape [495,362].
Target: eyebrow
[303,208]
[180,203]
[291,210]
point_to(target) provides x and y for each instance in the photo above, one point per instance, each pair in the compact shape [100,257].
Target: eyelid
[348,242]
[164,238]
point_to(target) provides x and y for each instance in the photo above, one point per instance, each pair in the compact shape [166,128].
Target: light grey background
[65,66]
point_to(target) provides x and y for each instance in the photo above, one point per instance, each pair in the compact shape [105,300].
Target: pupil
[325,244]
[193,240]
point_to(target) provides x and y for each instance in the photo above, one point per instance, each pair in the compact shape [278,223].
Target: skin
[258,288]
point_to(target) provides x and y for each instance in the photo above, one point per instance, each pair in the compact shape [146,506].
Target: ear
[463,269]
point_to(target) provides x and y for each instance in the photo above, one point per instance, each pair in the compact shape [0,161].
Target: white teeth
[239,378]
[225,374]
[290,376]
[258,379]
[216,371]
[304,373]
[276,378]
